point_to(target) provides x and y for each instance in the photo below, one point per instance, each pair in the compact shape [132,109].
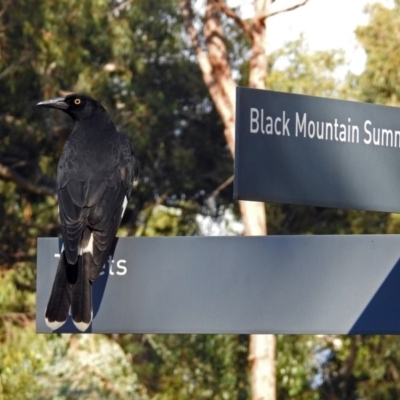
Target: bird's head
[78,106]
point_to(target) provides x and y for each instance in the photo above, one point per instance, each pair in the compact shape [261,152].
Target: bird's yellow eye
[77,102]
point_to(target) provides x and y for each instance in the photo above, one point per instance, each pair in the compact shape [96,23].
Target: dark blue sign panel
[315,151]
[268,284]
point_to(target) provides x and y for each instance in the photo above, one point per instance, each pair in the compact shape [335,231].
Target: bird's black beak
[57,102]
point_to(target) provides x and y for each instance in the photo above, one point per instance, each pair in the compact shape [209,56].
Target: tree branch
[231,14]
[222,186]
[257,19]
[107,382]
[18,318]
[187,13]
[10,174]
[13,66]
[5,6]
[262,18]
[347,366]
[213,64]
[121,6]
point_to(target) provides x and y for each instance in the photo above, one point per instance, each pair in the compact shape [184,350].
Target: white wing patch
[124,206]
[88,248]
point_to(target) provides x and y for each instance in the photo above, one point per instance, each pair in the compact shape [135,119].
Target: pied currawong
[94,182]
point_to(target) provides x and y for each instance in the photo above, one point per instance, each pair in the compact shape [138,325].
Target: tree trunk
[262,347]
[262,361]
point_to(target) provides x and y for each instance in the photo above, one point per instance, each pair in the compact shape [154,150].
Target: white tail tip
[82,326]
[54,325]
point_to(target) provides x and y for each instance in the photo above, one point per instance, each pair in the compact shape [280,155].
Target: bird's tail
[60,299]
[71,292]
[81,296]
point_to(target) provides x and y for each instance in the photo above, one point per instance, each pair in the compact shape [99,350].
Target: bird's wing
[127,165]
[105,216]
[91,209]
[71,201]
[103,219]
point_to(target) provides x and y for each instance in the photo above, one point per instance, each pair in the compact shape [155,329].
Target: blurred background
[140,60]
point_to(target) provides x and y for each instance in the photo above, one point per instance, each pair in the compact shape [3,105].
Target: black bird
[94,182]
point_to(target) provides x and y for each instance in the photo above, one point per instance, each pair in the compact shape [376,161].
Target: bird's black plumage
[94,182]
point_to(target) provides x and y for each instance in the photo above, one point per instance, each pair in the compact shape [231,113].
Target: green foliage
[295,69]
[380,82]
[191,366]
[296,366]
[63,367]
[378,367]
[167,221]
[22,354]
[16,294]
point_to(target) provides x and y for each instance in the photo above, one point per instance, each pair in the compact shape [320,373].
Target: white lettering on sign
[326,130]
[336,130]
[118,269]
[260,123]
[381,136]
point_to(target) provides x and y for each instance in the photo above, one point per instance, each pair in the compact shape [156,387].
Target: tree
[296,69]
[379,82]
